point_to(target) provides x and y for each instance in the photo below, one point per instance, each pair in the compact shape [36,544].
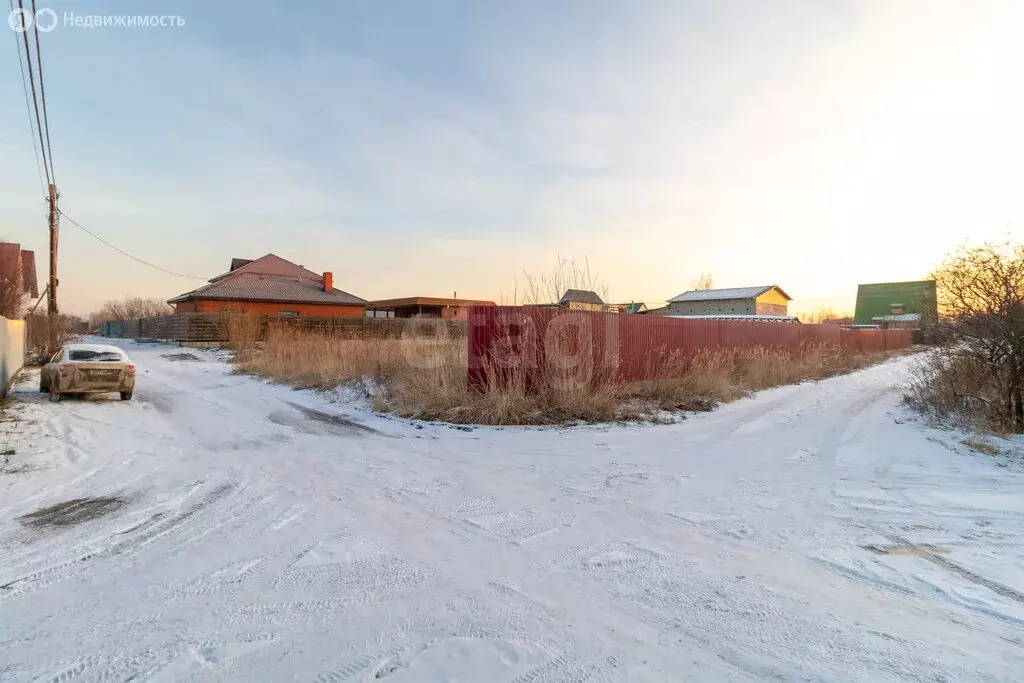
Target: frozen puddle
[464,660]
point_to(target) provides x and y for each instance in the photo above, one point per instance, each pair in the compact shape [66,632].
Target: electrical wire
[42,95]
[28,105]
[116,248]
[35,100]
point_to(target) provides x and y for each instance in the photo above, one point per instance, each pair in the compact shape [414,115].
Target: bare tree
[703,283]
[37,332]
[12,299]
[131,308]
[548,288]
[978,372]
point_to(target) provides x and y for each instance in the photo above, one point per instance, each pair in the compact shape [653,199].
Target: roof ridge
[282,287]
[740,293]
[253,267]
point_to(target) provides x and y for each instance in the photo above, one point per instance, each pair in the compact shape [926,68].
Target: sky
[425,148]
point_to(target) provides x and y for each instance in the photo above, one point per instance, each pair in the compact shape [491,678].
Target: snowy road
[249,532]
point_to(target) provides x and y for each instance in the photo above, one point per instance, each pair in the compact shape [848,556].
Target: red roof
[270,278]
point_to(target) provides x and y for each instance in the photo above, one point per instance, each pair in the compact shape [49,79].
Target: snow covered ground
[245,531]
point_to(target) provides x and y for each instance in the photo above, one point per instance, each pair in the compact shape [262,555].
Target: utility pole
[52,301]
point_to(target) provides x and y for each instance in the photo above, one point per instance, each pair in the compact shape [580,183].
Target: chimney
[328,282]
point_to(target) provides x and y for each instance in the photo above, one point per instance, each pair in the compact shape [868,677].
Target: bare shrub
[953,387]
[976,376]
[37,333]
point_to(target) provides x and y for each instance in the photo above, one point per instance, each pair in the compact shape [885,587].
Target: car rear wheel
[126,395]
[54,396]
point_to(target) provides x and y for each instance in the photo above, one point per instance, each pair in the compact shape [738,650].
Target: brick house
[761,301]
[270,285]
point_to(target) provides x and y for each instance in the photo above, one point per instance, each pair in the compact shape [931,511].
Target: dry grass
[981,446]
[244,332]
[427,378]
[323,361]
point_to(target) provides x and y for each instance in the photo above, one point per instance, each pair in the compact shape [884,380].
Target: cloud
[409,151]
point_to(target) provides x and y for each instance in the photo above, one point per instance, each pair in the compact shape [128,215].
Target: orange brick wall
[268,308]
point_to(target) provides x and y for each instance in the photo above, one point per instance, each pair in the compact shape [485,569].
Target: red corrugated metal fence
[631,347]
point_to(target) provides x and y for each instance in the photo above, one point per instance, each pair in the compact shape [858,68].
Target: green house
[881,301]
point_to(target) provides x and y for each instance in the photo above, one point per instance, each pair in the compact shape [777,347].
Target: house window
[289,314]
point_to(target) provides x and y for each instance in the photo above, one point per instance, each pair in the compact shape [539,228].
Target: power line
[45,151]
[116,248]
[28,106]
[35,100]
[42,94]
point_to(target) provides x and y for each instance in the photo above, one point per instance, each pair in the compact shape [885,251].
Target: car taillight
[66,370]
[131,369]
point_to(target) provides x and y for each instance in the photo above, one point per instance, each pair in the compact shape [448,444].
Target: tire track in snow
[561,669]
[42,578]
[346,571]
[485,516]
[138,537]
[173,661]
[472,642]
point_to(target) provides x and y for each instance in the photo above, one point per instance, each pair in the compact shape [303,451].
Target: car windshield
[91,355]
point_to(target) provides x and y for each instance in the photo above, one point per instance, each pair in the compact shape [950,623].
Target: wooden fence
[214,327]
[632,347]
